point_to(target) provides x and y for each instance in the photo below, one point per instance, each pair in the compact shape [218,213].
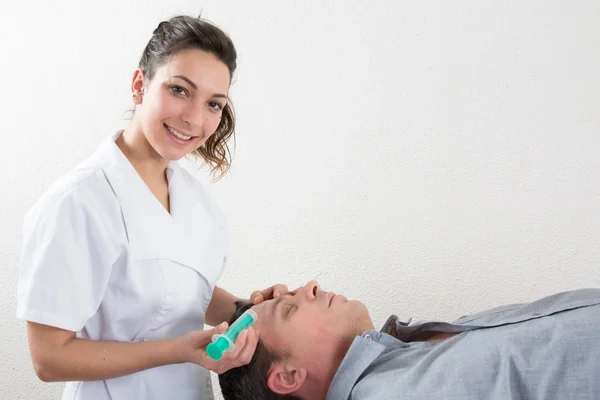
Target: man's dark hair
[249,382]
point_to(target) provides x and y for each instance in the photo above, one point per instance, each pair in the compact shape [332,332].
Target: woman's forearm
[221,307]
[89,360]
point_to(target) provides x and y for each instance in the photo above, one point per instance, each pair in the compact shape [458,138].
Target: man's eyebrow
[276,303]
[194,86]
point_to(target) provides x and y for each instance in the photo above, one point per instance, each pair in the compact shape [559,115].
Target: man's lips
[330,296]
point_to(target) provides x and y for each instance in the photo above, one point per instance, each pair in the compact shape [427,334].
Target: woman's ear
[286,379]
[137,86]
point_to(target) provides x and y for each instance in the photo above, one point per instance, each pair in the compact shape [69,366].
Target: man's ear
[286,378]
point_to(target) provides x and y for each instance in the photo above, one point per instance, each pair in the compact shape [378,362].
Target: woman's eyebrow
[195,87]
[188,80]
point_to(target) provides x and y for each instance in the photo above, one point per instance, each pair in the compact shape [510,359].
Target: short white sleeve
[66,261]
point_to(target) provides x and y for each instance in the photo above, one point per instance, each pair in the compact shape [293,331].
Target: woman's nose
[193,116]
[311,289]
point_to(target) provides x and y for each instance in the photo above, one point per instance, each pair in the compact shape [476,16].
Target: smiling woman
[199,74]
[122,255]
[185,102]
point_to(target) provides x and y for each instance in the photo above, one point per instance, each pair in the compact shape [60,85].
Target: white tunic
[103,258]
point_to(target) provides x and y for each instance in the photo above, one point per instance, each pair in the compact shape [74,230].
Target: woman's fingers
[247,350]
[269,293]
[244,348]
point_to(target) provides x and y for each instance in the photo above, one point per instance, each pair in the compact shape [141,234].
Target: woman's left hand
[269,293]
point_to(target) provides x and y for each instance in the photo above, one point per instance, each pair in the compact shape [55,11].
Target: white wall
[429,158]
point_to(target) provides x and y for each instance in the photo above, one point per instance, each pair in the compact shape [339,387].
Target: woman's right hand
[192,348]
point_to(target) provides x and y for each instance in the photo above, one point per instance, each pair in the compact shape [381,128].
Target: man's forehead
[266,311]
[265,319]
[263,307]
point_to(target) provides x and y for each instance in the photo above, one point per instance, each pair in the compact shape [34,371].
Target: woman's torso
[161,282]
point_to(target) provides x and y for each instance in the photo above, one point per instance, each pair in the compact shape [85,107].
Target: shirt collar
[152,231]
[363,351]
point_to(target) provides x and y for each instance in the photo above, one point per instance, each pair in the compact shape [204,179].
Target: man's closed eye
[288,310]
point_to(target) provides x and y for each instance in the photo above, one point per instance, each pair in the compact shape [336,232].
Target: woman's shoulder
[84,188]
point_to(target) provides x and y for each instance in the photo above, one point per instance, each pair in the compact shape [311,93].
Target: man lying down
[318,345]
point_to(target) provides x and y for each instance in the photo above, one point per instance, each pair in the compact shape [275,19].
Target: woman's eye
[215,106]
[178,90]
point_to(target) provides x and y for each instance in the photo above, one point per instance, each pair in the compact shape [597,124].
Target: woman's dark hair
[184,33]
[249,382]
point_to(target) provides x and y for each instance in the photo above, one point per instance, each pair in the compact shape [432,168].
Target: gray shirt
[548,349]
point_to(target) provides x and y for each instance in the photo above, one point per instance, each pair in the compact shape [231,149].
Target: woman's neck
[147,162]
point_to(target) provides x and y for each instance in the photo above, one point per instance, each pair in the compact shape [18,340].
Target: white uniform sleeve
[66,261]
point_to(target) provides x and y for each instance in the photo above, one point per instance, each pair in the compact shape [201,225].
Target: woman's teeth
[179,135]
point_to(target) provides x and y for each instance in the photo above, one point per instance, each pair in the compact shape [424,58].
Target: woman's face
[181,106]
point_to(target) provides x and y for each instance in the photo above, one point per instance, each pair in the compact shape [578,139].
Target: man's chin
[361,316]
[358,305]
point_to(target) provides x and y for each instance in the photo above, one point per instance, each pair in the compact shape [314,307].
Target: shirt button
[368,337]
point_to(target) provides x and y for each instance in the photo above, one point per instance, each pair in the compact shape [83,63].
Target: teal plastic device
[225,341]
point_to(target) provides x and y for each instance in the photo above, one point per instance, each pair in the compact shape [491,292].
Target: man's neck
[313,390]
[320,376]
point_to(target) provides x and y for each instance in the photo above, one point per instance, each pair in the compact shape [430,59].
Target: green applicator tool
[224,342]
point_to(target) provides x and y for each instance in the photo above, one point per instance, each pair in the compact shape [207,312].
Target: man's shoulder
[542,307]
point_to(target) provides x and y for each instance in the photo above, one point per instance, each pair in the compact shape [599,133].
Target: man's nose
[311,289]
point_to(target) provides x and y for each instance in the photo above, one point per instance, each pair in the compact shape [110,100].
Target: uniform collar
[152,231]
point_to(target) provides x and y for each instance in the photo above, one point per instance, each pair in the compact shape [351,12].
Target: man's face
[314,327]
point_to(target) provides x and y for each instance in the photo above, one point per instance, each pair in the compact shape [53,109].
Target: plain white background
[430,158]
